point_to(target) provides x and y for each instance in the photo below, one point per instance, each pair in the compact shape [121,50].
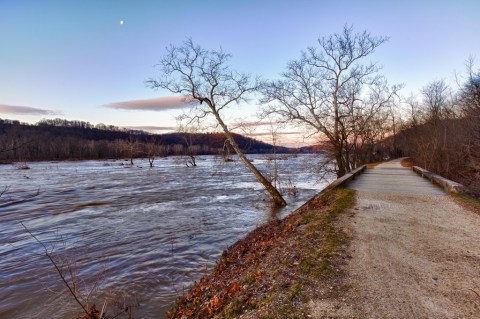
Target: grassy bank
[468,202]
[279,268]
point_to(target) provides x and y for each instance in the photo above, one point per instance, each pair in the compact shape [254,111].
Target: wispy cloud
[25,110]
[154,104]
[251,124]
[285,138]
[151,128]
[277,133]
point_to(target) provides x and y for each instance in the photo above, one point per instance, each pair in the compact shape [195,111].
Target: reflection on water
[149,232]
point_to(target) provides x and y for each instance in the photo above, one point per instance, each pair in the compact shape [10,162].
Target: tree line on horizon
[60,139]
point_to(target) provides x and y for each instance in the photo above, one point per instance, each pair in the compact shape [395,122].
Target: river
[141,235]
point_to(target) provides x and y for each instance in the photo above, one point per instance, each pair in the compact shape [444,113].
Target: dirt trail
[415,252]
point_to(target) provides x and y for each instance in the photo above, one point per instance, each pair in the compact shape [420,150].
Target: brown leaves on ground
[408,162]
[276,269]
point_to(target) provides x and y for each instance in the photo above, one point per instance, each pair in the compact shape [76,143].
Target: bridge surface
[415,251]
[392,177]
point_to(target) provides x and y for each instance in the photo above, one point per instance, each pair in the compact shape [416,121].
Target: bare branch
[58,269]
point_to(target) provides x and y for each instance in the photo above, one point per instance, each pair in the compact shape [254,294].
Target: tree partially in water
[208,82]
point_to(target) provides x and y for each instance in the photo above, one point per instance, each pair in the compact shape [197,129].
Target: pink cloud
[250,124]
[155,104]
[150,128]
[286,138]
[25,110]
[277,133]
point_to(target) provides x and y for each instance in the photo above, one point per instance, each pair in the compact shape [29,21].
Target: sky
[89,60]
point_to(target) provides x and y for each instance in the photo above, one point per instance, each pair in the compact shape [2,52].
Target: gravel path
[415,252]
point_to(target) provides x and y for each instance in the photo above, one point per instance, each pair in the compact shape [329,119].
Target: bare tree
[4,190]
[226,152]
[435,96]
[273,130]
[469,101]
[469,95]
[151,150]
[204,76]
[190,149]
[414,110]
[329,91]
[131,148]
[438,107]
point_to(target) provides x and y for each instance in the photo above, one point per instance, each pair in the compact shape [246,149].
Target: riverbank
[277,268]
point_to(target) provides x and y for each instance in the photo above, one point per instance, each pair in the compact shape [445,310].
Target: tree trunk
[276,196]
[341,167]
[348,167]
[274,193]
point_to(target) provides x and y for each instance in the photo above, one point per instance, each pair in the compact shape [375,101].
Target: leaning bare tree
[204,76]
[330,91]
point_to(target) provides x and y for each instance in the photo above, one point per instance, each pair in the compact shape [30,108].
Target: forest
[59,139]
[442,130]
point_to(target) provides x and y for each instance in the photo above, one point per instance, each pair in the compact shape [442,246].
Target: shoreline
[273,271]
[276,267]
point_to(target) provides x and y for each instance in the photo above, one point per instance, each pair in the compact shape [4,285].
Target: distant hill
[317,148]
[59,139]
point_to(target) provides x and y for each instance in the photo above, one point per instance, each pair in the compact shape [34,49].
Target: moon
[121,22]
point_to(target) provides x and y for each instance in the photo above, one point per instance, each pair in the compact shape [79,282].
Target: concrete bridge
[392,177]
[415,251]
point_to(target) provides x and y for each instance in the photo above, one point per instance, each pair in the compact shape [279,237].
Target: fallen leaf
[233,288]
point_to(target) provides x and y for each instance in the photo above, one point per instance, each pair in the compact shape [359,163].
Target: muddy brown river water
[141,234]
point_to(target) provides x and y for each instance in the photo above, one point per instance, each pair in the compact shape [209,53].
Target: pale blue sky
[73,57]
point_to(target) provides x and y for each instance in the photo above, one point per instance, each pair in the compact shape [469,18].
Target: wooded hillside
[442,133]
[60,139]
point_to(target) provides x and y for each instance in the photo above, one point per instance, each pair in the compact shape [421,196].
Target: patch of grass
[308,218]
[466,201]
[233,310]
[288,311]
[295,290]
[249,279]
[317,246]
[268,298]
[317,260]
